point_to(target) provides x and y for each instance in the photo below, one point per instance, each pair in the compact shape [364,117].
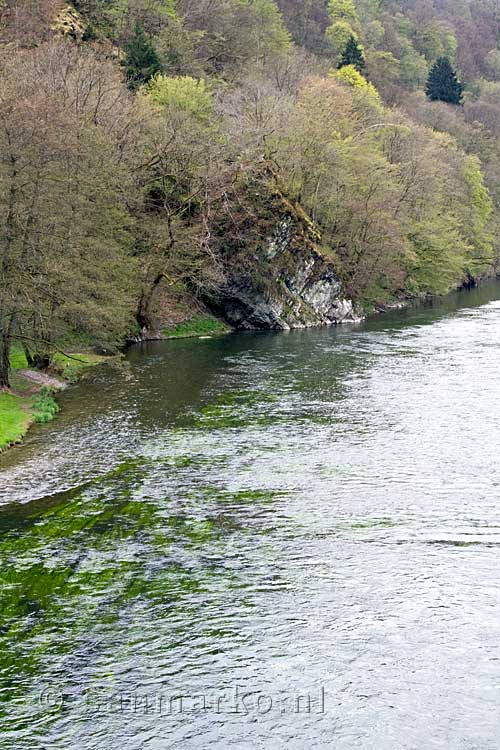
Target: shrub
[45,407]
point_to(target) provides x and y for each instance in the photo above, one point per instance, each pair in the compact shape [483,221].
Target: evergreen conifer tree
[443,84]
[352,55]
[141,60]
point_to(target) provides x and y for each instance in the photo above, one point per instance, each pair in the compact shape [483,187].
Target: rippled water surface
[263,541]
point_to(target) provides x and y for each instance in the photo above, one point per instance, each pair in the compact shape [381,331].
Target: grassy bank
[32,398]
[15,418]
[196,326]
[71,368]
[33,395]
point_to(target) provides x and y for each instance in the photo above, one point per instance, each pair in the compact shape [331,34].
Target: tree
[307,22]
[28,22]
[344,10]
[141,60]
[181,93]
[268,32]
[184,171]
[434,40]
[338,35]
[229,34]
[65,250]
[344,25]
[443,84]
[351,76]
[352,55]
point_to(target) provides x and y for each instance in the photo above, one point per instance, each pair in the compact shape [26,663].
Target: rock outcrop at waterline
[276,274]
[271,270]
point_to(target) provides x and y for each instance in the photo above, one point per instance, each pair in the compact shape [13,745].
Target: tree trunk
[4,362]
[29,356]
[144,307]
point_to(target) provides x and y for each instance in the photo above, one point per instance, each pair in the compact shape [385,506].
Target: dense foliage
[129,129]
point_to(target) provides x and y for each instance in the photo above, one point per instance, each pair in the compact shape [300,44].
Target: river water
[263,541]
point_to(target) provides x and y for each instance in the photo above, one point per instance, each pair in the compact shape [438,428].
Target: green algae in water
[234,409]
[237,409]
[90,555]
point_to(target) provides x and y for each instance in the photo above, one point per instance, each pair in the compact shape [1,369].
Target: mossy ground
[72,367]
[30,402]
[197,326]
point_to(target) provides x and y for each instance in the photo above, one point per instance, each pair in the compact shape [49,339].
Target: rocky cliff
[272,271]
[277,276]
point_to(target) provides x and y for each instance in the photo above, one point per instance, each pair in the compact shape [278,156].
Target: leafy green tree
[114,18]
[383,68]
[435,40]
[269,34]
[441,252]
[141,59]
[338,35]
[182,94]
[414,68]
[351,76]
[443,84]
[344,25]
[229,35]
[478,212]
[344,10]
[352,55]
[182,176]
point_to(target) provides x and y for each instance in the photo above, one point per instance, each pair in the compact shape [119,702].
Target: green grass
[14,418]
[71,369]
[198,326]
[29,403]
[20,409]
[18,359]
[45,406]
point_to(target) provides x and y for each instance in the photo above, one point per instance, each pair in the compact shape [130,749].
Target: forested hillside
[142,140]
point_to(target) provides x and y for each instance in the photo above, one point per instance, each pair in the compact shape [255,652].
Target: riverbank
[22,407]
[197,327]
[32,396]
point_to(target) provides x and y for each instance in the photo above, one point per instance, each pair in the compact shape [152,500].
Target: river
[262,541]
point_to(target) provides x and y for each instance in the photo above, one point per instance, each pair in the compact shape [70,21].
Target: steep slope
[276,273]
[143,121]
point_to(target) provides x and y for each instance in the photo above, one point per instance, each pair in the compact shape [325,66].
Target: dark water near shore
[260,541]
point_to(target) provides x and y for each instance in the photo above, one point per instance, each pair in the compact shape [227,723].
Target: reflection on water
[262,540]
